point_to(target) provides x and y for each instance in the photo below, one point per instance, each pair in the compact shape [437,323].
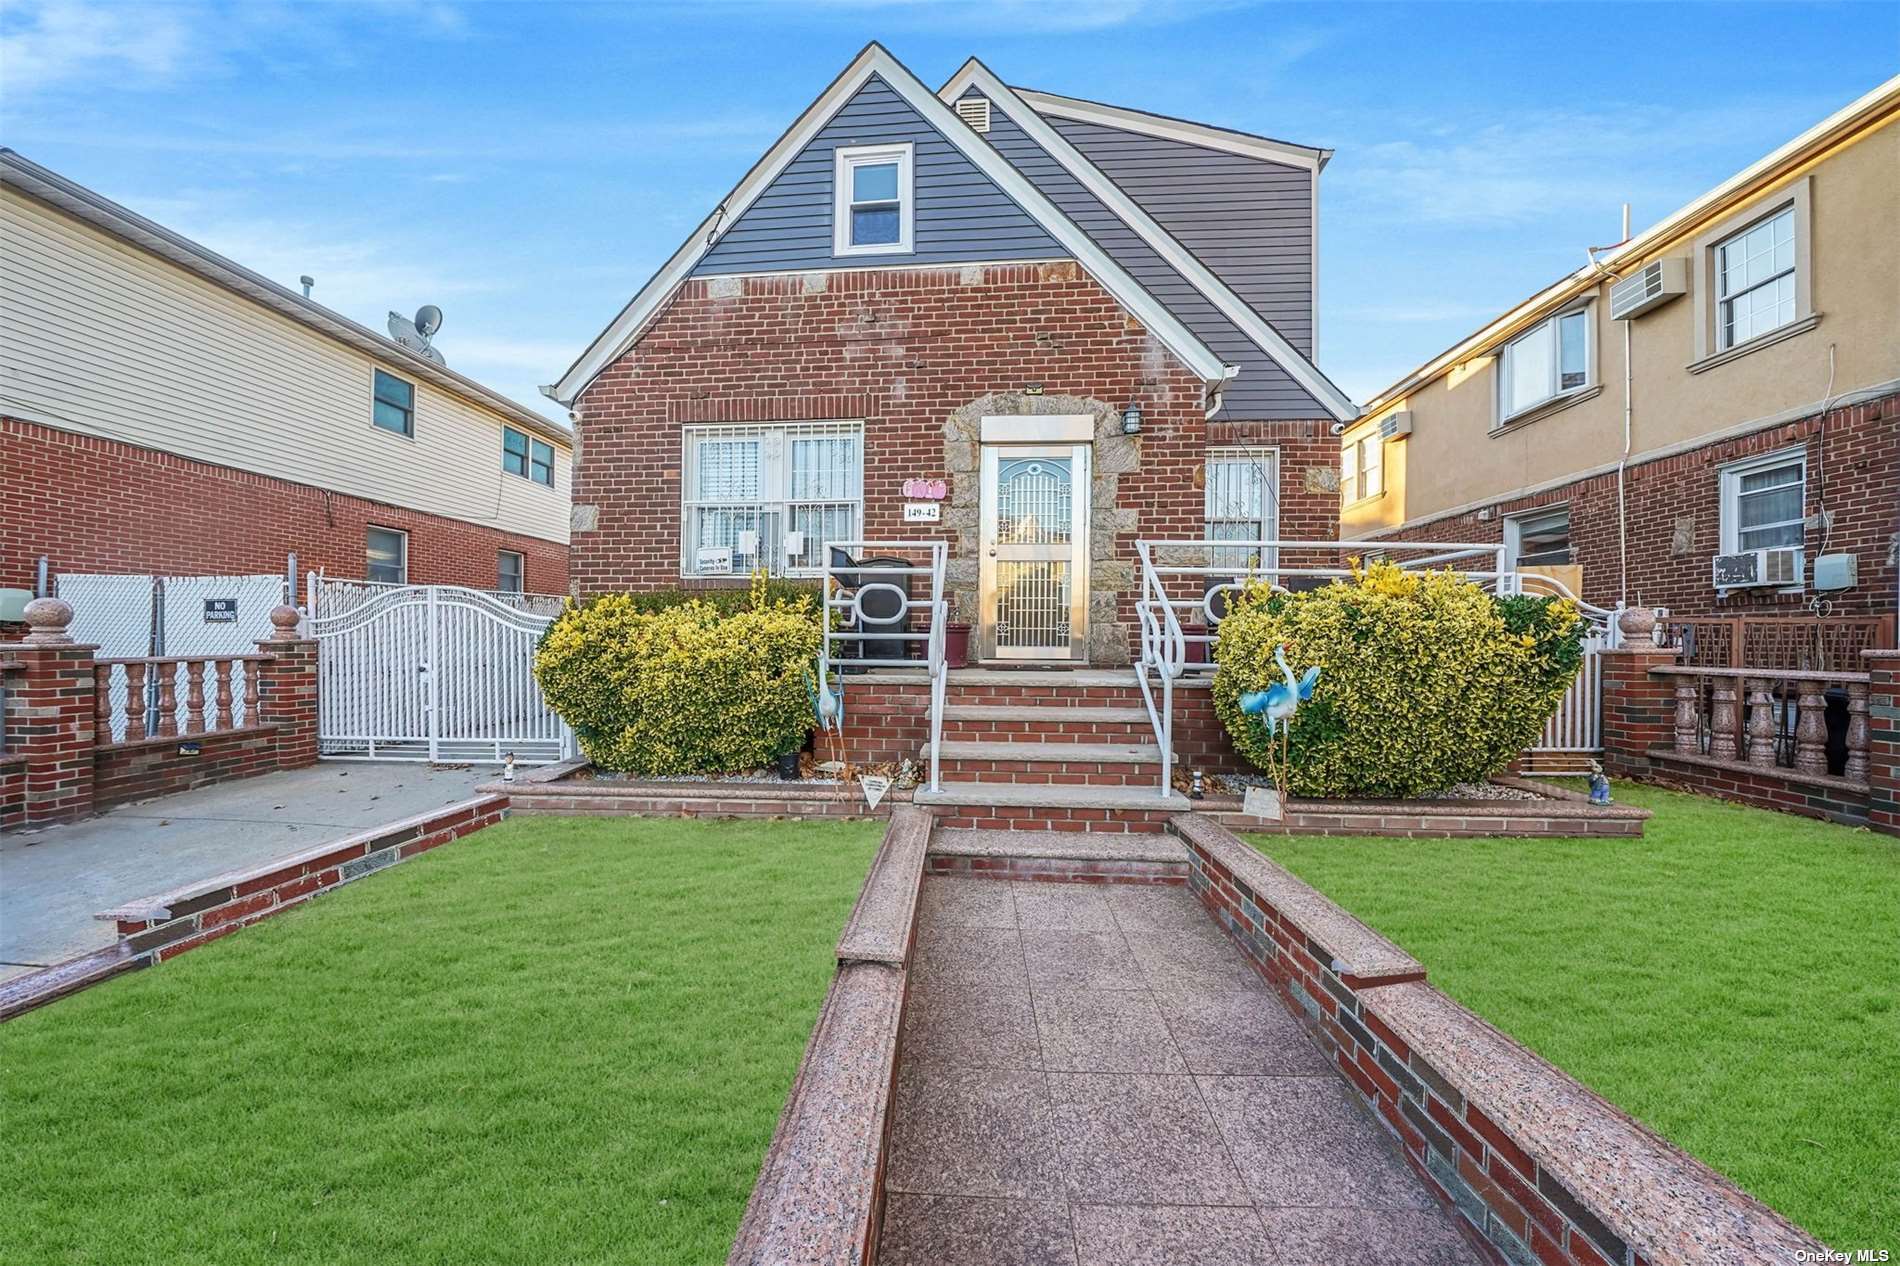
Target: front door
[1033,589]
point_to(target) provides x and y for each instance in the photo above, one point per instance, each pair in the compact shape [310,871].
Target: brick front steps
[1064,857]
[1052,764]
[1538,1165]
[155,929]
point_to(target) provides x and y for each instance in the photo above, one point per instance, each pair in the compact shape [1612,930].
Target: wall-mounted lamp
[1131,418]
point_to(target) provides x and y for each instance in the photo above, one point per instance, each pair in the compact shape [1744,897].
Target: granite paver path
[1093,1076]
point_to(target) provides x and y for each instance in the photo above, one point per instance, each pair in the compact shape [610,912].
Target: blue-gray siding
[1263,389]
[1249,220]
[961,214]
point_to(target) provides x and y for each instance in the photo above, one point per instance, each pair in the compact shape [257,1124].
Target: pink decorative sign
[926,489]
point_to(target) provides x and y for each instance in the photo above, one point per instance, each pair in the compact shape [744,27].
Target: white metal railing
[859,629]
[1171,571]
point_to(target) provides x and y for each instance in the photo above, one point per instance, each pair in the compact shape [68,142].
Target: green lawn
[1730,979]
[558,1040]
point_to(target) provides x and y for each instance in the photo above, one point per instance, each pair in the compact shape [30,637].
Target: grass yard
[1729,979]
[558,1040]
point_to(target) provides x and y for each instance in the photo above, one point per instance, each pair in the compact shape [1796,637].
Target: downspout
[1622,461]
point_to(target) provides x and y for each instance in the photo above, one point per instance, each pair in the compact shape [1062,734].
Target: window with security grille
[1241,496]
[769,496]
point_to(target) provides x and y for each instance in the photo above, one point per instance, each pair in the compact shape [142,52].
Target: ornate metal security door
[1033,579]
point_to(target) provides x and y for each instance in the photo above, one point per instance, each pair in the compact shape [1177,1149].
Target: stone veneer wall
[1536,1164]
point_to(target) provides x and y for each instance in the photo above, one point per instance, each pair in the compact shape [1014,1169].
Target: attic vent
[975,111]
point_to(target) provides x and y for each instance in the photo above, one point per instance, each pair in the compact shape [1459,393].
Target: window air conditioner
[1395,425]
[1654,285]
[1757,568]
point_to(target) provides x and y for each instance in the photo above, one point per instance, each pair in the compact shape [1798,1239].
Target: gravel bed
[1462,791]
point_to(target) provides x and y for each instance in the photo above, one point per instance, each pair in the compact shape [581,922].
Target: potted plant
[956,636]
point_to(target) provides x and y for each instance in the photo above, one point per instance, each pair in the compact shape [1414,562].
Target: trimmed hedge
[1425,681]
[654,688]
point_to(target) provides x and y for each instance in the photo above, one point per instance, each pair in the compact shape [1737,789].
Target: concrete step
[1080,846]
[1033,807]
[1065,714]
[1050,753]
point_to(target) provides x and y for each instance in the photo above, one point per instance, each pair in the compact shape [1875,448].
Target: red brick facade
[1675,517]
[97,505]
[902,349]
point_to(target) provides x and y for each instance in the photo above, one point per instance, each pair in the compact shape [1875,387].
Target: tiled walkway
[1093,1076]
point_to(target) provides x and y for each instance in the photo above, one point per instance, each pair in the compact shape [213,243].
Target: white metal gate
[431,672]
[1575,728]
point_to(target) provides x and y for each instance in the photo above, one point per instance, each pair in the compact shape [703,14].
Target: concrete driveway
[53,880]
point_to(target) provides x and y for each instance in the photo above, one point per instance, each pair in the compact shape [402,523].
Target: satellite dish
[428,320]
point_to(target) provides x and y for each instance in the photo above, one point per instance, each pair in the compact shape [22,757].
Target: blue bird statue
[1278,702]
[826,704]
[1276,706]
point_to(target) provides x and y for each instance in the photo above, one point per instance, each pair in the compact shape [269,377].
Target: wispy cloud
[1517,170]
[1018,17]
[44,43]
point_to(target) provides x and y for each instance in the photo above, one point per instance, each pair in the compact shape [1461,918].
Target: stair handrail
[933,638]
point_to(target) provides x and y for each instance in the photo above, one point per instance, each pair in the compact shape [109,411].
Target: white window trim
[1709,351]
[1372,441]
[1502,419]
[1731,476]
[397,532]
[786,432]
[521,569]
[1514,533]
[1266,456]
[844,158]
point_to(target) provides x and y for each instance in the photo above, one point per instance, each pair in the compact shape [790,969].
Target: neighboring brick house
[1061,309]
[164,410]
[1759,411]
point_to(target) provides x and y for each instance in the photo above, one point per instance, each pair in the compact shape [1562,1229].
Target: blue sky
[527,166]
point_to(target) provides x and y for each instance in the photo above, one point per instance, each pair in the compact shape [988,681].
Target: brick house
[165,410]
[1087,321]
[1705,418]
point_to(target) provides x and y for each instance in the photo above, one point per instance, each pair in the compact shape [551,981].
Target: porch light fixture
[1131,418]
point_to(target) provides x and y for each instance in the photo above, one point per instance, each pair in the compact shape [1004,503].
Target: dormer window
[874,212]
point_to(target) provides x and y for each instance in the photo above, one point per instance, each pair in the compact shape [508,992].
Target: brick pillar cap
[47,620]
[284,621]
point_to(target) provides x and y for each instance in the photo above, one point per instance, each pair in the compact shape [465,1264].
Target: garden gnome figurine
[1599,785]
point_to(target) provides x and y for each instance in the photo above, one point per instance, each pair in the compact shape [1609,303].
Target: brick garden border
[1535,1163]
[1558,813]
[156,929]
[819,1198]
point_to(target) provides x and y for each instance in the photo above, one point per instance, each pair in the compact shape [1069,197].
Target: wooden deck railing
[1774,720]
[138,698]
[1781,643]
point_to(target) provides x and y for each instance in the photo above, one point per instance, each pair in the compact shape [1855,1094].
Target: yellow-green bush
[1425,680]
[683,690]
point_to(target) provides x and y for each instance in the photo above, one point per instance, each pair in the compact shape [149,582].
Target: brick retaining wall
[155,929]
[1538,1165]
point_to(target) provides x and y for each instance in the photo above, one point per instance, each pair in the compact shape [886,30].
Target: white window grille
[1755,272]
[1764,502]
[769,496]
[1242,504]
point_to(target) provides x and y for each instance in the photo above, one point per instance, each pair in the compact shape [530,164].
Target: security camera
[1337,428]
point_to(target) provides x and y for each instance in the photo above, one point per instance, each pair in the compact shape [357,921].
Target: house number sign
[923,511]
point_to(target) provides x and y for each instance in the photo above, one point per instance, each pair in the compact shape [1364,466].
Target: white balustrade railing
[1181,578]
[848,584]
